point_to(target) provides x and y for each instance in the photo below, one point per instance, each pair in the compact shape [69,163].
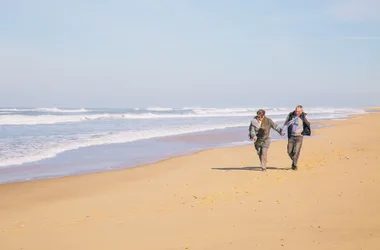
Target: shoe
[263,169]
[294,167]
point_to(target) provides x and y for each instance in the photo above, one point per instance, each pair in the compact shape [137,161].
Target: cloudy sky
[122,53]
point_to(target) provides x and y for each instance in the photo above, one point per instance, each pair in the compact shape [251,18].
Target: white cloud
[357,10]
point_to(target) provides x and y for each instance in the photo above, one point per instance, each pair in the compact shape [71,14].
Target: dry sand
[215,199]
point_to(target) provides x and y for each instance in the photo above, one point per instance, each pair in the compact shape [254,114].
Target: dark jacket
[306,124]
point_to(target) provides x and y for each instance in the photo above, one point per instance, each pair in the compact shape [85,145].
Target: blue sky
[189,53]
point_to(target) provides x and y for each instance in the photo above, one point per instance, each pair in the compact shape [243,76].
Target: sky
[175,53]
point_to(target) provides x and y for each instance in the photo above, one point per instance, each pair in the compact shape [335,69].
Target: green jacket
[262,132]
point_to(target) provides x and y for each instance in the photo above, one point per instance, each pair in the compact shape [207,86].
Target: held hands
[282,134]
[255,138]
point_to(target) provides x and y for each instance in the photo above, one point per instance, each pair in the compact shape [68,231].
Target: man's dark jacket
[306,124]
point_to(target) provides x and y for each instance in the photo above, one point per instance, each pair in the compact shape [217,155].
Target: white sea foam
[45,119]
[14,110]
[19,119]
[43,148]
[58,110]
[47,110]
[54,119]
[159,109]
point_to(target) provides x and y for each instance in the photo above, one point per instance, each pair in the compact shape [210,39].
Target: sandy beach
[214,199]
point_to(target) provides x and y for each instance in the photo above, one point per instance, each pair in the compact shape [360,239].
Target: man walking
[259,132]
[297,126]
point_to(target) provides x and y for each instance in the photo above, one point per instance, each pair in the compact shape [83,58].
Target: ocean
[40,143]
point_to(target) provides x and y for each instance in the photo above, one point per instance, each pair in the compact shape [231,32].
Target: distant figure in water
[259,132]
[297,126]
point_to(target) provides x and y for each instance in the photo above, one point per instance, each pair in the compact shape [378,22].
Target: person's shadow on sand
[250,168]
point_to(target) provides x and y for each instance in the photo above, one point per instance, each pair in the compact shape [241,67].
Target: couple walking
[296,125]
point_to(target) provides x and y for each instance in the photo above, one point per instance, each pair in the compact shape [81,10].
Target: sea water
[50,142]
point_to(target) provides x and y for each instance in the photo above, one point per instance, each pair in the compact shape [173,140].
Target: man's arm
[305,120]
[286,125]
[288,122]
[275,126]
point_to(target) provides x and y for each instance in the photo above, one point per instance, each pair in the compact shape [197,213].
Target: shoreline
[43,168]
[322,124]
